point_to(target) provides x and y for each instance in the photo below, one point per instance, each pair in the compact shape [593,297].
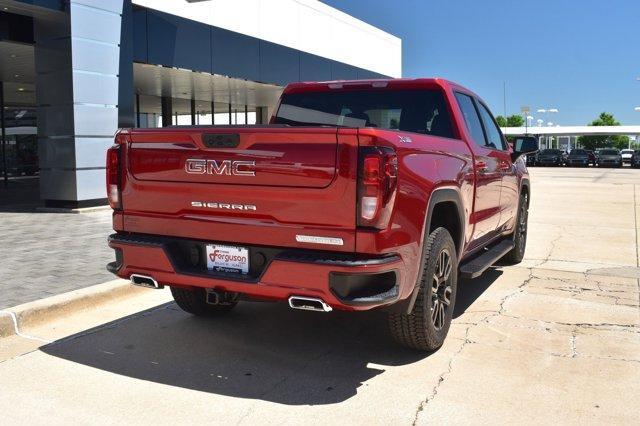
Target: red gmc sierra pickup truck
[358,195]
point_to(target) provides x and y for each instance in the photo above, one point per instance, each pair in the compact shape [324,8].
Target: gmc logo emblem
[197,166]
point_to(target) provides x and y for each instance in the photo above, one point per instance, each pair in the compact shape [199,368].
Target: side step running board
[476,266]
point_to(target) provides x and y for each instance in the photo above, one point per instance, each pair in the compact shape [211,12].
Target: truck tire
[194,302]
[520,233]
[426,327]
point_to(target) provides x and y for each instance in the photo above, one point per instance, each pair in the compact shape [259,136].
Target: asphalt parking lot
[556,338]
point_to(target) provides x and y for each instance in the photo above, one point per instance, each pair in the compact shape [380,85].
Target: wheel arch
[525,186]
[440,198]
[446,198]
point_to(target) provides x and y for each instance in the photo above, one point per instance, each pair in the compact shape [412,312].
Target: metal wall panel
[140,52]
[56,152]
[108,5]
[54,88]
[340,71]
[97,57]
[178,42]
[235,55]
[314,68]
[90,184]
[95,24]
[91,152]
[278,64]
[94,88]
[91,120]
[125,73]
[49,4]
[58,184]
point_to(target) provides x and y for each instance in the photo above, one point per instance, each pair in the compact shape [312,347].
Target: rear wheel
[426,327]
[195,302]
[520,232]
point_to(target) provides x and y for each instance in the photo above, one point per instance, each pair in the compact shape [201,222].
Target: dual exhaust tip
[309,304]
[145,281]
[295,302]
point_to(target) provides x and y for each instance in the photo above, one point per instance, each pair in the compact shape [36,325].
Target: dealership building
[74,71]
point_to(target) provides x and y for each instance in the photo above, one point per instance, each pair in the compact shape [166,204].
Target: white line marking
[15,326]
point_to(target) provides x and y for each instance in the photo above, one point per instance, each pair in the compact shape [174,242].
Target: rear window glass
[578,152]
[609,152]
[551,151]
[419,111]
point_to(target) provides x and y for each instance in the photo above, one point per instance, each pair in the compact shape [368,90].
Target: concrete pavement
[554,339]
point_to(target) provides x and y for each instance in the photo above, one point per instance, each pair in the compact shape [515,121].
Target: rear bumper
[609,162]
[549,161]
[345,282]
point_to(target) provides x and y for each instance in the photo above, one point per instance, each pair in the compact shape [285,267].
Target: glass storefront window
[181,112]
[150,114]
[203,113]
[221,113]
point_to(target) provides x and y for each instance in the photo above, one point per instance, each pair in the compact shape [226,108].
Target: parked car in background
[635,159]
[610,158]
[578,158]
[550,157]
[531,160]
[593,159]
[626,155]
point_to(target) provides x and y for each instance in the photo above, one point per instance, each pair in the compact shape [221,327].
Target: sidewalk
[45,254]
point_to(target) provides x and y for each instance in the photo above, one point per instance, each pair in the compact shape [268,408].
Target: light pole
[637,109]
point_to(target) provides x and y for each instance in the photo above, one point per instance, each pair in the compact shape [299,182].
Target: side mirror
[524,145]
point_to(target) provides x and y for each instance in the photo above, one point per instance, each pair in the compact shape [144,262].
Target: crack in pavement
[501,312]
[442,377]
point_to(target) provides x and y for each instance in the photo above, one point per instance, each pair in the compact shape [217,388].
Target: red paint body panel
[306,183]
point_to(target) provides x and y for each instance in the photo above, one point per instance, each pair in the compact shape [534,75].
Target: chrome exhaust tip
[145,281]
[309,304]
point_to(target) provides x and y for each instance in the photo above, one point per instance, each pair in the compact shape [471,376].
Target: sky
[579,56]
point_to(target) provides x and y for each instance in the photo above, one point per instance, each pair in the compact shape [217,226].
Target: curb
[73,211]
[61,305]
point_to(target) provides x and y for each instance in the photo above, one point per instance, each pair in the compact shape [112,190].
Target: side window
[471,118]
[494,137]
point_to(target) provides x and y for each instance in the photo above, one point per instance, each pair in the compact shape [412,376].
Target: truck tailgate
[252,185]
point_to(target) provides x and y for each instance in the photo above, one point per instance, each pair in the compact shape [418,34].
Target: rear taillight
[113,177]
[377,182]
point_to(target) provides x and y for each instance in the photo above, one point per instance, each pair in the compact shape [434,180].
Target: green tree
[511,121]
[597,142]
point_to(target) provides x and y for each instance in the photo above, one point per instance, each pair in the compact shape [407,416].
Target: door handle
[481,167]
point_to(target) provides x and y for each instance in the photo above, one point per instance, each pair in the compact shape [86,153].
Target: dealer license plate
[227,258]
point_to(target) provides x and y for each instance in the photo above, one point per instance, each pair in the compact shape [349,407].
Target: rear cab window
[418,110]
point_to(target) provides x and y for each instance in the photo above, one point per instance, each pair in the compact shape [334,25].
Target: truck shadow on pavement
[470,290]
[259,351]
